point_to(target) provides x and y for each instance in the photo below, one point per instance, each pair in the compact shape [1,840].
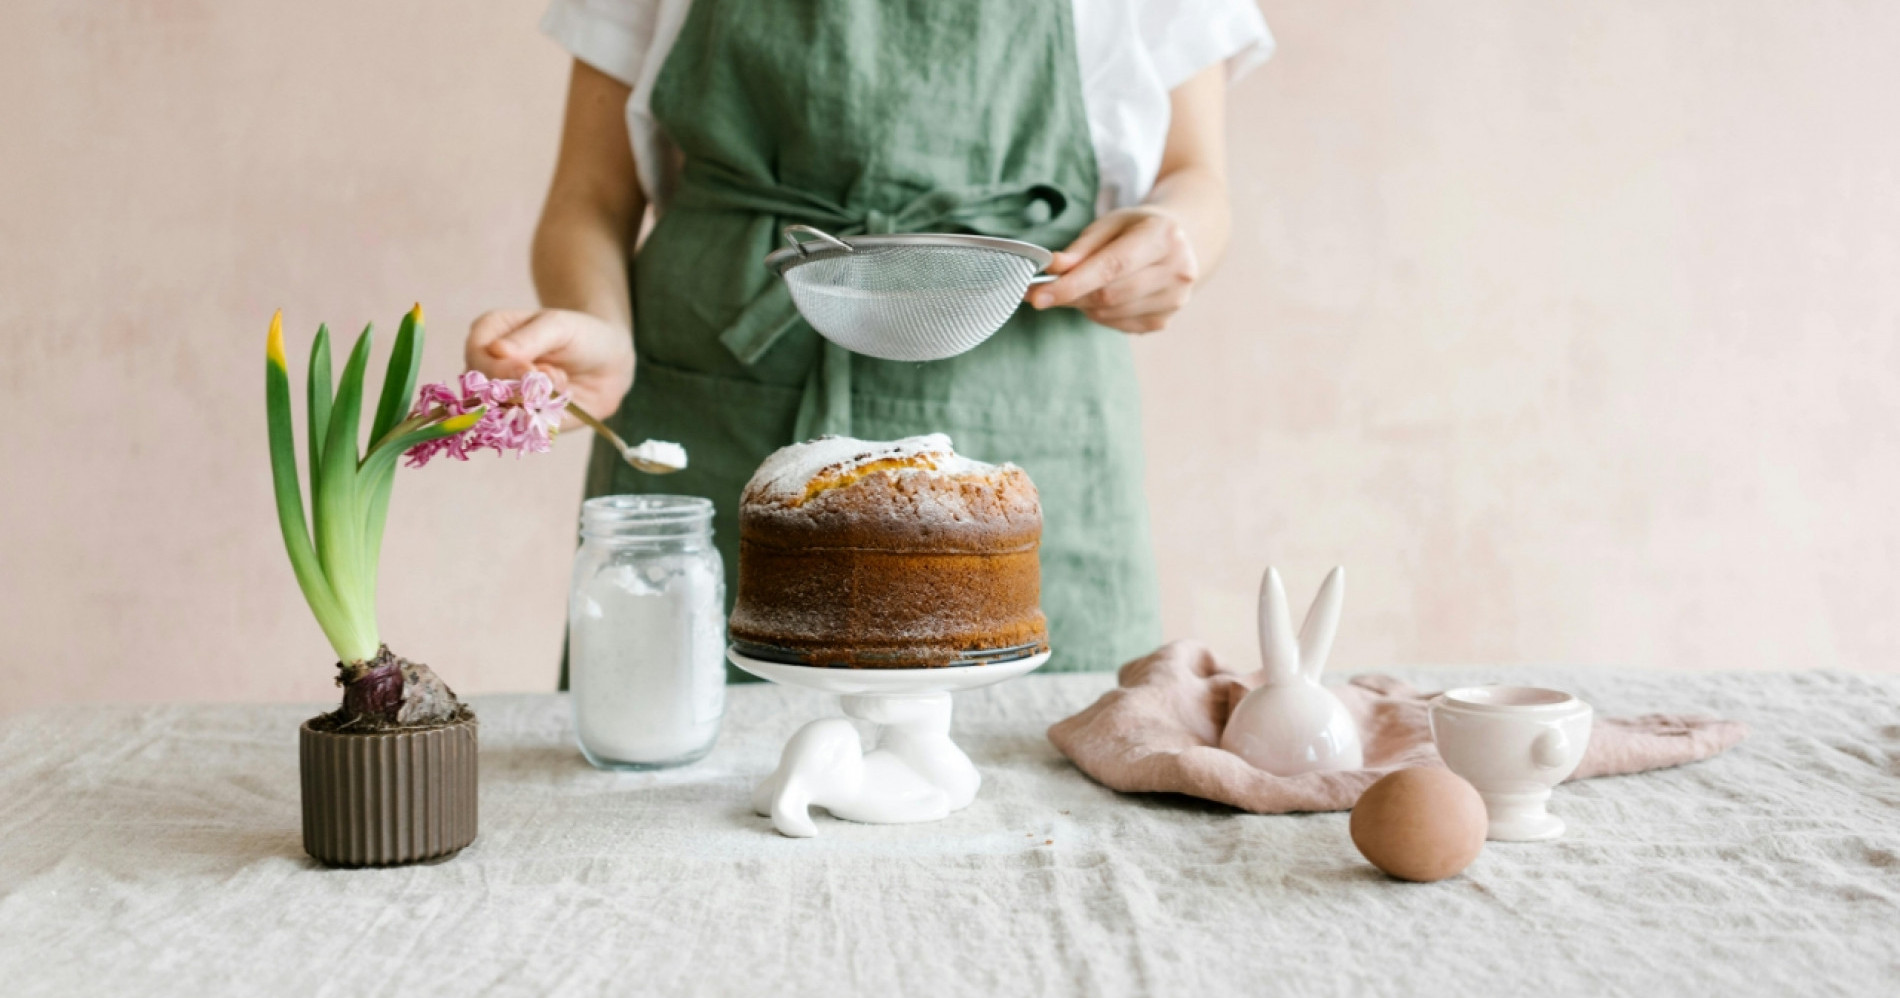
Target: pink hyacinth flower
[521,416]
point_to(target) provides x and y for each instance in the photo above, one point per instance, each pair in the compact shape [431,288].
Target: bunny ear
[1322,620]
[1279,656]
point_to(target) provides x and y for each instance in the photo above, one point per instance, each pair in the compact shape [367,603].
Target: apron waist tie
[1010,211]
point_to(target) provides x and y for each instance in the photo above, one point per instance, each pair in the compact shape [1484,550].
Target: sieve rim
[788,258]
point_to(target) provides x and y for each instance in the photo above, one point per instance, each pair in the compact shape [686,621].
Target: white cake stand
[915,772]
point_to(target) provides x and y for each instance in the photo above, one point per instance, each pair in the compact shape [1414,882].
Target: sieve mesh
[909,302]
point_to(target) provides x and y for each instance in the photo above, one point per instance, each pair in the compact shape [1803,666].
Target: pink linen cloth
[1160,732]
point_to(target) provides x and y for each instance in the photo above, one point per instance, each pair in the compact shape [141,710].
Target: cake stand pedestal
[914,772]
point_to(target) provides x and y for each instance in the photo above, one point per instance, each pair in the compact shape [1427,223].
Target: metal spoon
[648,457]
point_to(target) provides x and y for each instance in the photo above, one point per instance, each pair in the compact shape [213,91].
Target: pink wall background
[1573,330]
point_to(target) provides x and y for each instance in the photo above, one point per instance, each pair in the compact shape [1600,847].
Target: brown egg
[1420,824]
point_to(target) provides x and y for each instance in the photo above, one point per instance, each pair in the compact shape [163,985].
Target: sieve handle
[792,232]
[1043,279]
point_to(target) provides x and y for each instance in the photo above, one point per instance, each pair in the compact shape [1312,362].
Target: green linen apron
[887,116]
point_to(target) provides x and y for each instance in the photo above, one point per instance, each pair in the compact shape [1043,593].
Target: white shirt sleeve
[628,40]
[1133,52]
[613,36]
[1184,37]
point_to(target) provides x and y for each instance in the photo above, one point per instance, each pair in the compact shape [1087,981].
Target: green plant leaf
[377,476]
[399,387]
[318,395]
[378,473]
[399,380]
[381,462]
[289,495]
[340,522]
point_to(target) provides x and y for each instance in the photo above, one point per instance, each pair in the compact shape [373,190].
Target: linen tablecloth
[154,850]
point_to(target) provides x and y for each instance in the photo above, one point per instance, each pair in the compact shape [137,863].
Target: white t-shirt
[1132,53]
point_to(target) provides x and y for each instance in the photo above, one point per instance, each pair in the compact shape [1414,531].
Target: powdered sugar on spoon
[655,457]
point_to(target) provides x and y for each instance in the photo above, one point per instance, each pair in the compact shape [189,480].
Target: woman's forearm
[1133,268]
[1192,181]
[580,263]
[579,260]
[594,206]
[1197,197]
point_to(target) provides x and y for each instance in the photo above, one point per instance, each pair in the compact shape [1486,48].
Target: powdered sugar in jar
[646,632]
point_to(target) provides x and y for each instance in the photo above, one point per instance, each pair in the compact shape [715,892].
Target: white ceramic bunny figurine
[914,774]
[1291,724]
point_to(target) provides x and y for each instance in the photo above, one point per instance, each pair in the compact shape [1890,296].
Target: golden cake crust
[892,555]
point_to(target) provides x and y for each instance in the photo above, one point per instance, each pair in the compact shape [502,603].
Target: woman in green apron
[1015,118]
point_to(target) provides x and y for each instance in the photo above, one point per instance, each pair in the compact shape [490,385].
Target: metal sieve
[922,296]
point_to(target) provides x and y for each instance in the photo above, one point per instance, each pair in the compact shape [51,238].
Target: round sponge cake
[899,554]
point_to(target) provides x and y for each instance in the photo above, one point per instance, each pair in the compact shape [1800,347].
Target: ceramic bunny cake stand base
[914,772]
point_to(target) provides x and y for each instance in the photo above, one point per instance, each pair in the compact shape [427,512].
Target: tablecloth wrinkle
[154,850]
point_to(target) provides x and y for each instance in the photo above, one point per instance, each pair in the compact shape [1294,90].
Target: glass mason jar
[646,632]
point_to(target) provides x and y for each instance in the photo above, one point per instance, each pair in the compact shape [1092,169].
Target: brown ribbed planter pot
[388,798]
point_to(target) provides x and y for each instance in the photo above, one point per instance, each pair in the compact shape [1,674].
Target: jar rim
[645,510]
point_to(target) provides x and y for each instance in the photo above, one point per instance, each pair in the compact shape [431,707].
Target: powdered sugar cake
[899,554]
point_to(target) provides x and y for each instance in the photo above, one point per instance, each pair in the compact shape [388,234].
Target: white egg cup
[915,772]
[1513,743]
[1290,724]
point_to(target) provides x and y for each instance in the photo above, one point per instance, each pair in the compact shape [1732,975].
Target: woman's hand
[1130,270]
[588,357]
[581,249]
[1135,267]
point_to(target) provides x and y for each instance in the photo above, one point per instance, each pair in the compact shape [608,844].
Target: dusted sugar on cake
[899,554]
